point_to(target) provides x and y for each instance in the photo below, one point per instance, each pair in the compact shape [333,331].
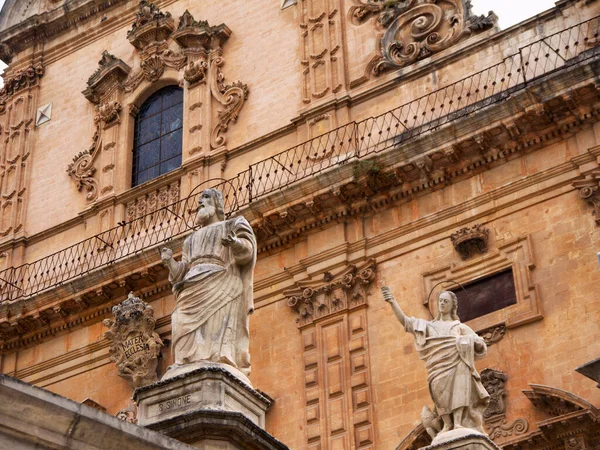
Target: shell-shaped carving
[153,68]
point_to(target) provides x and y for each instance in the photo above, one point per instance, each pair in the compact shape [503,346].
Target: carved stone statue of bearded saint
[212,285]
[449,349]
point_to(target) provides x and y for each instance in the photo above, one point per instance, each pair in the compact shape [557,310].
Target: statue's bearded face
[206,208]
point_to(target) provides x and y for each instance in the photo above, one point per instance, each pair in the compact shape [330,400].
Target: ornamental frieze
[413,30]
[316,299]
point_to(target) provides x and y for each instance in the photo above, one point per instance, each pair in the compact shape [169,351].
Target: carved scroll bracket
[231,97]
[316,299]
[494,416]
[414,30]
[589,190]
[82,169]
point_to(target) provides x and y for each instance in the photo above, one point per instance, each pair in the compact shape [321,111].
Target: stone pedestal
[467,440]
[209,408]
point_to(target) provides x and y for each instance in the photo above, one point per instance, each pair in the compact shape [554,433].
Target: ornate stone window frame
[516,254]
[184,52]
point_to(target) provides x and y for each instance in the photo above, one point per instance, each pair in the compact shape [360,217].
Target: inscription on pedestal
[175,404]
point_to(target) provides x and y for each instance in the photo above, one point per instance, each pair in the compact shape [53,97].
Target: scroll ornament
[81,170]
[416,29]
[232,97]
[134,346]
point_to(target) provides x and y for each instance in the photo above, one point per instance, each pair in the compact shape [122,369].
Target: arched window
[157,137]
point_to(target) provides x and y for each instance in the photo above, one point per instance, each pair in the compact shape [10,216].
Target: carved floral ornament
[316,299]
[415,29]
[193,48]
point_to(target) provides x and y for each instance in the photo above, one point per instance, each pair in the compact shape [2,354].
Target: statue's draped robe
[448,349]
[213,295]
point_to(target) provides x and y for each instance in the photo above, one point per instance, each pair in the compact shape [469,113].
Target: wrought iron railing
[349,142]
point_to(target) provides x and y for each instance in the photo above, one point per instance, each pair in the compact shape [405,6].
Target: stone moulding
[469,240]
[316,299]
[413,30]
[150,25]
[571,422]
[111,70]
[198,36]
[514,253]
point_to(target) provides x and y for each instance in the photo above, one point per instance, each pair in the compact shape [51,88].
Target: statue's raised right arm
[389,297]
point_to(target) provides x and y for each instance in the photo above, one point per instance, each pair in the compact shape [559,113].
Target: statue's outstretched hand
[230,240]
[166,254]
[387,294]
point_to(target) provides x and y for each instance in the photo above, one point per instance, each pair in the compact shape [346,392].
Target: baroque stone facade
[369,143]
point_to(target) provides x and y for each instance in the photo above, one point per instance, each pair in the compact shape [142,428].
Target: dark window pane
[172,96]
[170,145]
[170,164]
[158,135]
[150,106]
[148,129]
[172,119]
[486,295]
[148,155]
[147,175]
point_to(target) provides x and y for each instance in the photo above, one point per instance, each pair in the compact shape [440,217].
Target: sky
[509,12]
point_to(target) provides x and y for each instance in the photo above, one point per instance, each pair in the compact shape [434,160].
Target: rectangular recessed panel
[310,377]
[337,415]
[334,378]
[339,443]
[332,340]
[357,323]
[310,359]
[363,435]
[312,414]
[309,339]
[358,343]
[362,417]
[313,431]
[486,295]
[360,398]
[359,379]
[359,362]
[312,394]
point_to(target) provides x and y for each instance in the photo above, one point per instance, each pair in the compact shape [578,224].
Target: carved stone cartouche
[415,30]
[134,344]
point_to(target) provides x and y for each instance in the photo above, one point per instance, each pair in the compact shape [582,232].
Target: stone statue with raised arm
[212,285]
[449,349]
